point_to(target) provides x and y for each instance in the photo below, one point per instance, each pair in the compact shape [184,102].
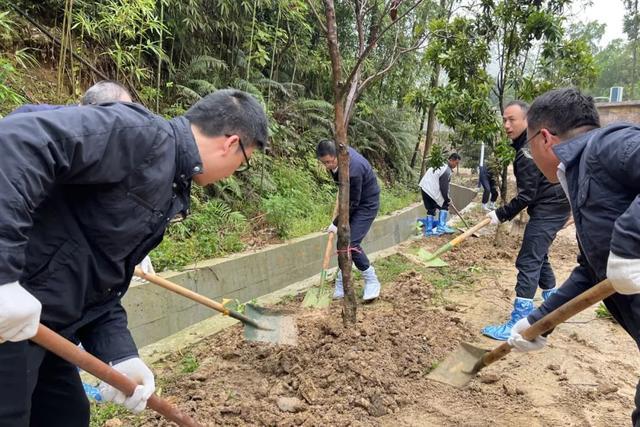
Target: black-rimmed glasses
[246,165]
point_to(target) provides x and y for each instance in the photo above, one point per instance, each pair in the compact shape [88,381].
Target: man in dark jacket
[364,202]
[487,181]
[87,193]
[599,169]
[548,211]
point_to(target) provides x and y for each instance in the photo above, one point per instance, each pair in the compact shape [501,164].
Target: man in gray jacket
[599,169]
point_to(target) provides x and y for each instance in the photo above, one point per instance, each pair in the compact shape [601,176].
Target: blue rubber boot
[547,293]
[429,229]
[522,307]
[442,226]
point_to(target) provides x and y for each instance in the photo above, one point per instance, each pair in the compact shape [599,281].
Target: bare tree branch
[373,43]
[323,27]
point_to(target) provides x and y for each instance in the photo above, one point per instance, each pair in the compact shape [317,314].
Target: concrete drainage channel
[161,321]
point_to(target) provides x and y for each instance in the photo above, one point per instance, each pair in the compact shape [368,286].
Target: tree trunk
[344,232]
[417,149]
[431,119]
[504,176]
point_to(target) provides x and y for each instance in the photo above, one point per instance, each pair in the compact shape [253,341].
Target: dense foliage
[471,58]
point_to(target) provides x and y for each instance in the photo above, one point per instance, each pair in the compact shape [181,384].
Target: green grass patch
[602,312]
[103,412]
[189,363]
[388,269]
[295,200]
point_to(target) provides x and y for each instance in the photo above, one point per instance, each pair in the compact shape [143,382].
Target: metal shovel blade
[277,327]
[318,297]
[460,366]
[429,261]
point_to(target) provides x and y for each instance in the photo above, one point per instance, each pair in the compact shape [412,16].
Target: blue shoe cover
[522,307]
[547,293]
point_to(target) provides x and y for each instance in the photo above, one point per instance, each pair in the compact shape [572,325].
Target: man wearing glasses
[599,169]
[548,211]
[87,192]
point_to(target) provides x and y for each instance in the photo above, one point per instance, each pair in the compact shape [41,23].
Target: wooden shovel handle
[181,290]
[586,299]
[448,246]
[68,351]
[464,221]
[470,231]
[194,296]
[328,249]
[327,252]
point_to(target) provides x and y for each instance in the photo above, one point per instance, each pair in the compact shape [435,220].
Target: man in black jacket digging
[364,203]
[548,211]
[599,169]
[87,192]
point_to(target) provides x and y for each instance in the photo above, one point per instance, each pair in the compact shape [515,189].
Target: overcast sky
[610,12]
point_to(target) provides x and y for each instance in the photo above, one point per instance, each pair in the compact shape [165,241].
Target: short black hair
[104,91]
[561,110]
[231,112]
[523,105]
[455,156]
[326,147]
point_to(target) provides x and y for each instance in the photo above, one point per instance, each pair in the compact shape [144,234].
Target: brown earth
[376,373]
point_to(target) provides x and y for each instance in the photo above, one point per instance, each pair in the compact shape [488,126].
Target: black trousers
[360,223]
[533,259]
[489,186]
[39,389]
[431,205]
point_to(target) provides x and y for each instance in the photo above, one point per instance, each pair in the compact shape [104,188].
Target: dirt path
[586,377]
[376,374]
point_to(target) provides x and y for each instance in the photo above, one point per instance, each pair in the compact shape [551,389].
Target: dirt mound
[334,376]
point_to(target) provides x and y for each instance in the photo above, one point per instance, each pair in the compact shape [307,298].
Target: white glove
[494,218]
[137,371]
[624,274]
[520,344]
[146,266]
[332,229]
[19,313]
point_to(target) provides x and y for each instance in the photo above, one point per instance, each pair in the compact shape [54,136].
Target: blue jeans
[532,263]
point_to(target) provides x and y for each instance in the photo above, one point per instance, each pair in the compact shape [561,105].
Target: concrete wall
[611,112]
[155,313]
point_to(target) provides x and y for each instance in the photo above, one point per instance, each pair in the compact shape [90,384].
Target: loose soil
[375,373]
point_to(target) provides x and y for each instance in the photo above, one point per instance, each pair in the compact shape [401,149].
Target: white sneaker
[338,291]
[485,207]
[371,284]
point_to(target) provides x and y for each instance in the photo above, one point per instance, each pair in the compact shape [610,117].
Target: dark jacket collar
[188,162]
[518,143]
[570,151]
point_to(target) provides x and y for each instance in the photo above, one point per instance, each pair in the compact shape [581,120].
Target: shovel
[68,351]
[463,364]
[266,325]
[320,296]
[432,260]
[464,221]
